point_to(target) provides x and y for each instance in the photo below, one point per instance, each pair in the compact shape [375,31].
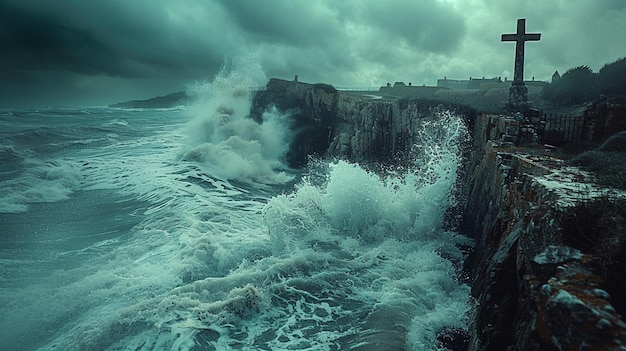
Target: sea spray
[225,138]
[39,182]
[344,260]
[203,257]
[387,232]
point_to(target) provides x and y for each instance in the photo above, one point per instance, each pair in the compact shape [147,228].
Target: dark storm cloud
[425,25]
[298,23]
[124,40]
[345,42]
[94,38]
[107,50]
[32,41]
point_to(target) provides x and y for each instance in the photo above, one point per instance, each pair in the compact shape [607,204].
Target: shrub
[608,167]
[612,78]
[576,86]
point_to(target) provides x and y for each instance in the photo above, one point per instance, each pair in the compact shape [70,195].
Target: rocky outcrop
[167,101]
[326,122]
[541,283]
[549,263]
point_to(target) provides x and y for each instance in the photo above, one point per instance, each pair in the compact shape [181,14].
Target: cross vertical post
[518,94]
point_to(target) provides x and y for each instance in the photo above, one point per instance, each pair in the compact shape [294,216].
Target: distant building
[535,83]
[400,89]
[452,83]
[472,83]
[477,83]
[556,77]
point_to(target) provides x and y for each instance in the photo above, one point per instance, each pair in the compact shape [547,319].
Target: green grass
[609,167]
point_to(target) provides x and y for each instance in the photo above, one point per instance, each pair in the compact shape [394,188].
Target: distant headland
[170,100]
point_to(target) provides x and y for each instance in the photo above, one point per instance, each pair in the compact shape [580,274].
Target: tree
[576,86]
[612,78]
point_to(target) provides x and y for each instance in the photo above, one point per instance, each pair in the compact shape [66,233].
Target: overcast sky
[96,52]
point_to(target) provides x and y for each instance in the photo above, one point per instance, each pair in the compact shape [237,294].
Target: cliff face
[327,122]
[549,250]
[549,265]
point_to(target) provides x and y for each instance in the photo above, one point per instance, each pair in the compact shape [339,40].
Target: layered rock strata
[326,122]
[537,285]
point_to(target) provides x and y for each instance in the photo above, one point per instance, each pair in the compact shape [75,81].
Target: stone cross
[520,38]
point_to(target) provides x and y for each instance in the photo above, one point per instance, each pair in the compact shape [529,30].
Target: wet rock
[540,261]
[326,122]
[574,313]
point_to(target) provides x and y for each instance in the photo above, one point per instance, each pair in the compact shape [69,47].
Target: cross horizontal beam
[520,38]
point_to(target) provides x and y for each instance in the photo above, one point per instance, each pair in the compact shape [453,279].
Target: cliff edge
[549,263]
[550,255]
[364,129]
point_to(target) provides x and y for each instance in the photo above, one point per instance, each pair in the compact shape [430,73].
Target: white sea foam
[217,261]
[345,259]
[39,182]
[225,138]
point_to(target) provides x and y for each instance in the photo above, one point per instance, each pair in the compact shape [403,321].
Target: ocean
[182,229]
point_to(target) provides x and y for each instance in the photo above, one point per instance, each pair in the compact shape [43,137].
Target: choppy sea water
[181,229]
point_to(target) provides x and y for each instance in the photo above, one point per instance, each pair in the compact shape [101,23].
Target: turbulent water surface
[182,230]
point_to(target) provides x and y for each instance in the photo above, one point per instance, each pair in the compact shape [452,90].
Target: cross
[520,38]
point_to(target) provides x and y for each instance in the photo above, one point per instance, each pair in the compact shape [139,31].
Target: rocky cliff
[331,123]
[550,249]
[549,265]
